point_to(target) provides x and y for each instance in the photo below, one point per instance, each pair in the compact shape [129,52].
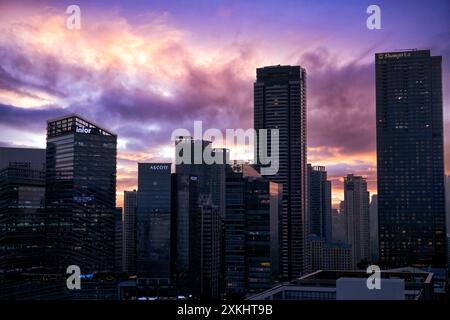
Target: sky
[145,68]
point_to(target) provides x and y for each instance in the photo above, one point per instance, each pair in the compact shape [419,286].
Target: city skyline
[152,67]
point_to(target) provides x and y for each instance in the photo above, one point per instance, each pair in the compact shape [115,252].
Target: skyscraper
[411,204]
[118,240]
[80,194]
[356,202]
[253,205]
[339,223]
[129,231]
[200,193]
[22,221]
[205,249]
[319,203]
[373,229]
[154,222]
[447,197]
[280,103]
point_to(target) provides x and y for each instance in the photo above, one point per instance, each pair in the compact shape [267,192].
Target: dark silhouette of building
[200,195]
[373,229]
[129,231]
[339,226]
[411,202]
[22,220]
[205,249]
[253,206]
[323,255]
[356,202]
[118,241]
[80,194]
[319,203]
[280,103]
[154,218]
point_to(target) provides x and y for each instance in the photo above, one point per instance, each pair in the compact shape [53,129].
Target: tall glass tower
[319,203]
[80,194]
[280,103]
[154,222]
[411,201]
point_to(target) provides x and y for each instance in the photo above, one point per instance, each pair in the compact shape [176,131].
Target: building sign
[83,130]
[159,167]
[83,199]
[395,55]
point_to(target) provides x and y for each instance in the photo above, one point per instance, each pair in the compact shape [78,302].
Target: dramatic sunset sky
[144,68]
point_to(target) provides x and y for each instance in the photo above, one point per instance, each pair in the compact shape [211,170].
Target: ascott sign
[159,167]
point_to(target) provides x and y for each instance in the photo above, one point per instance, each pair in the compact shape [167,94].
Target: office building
[118,241]
[447,197]
[154,205]
[411,204]
[22,221]
[373,229]
[253,206]
[80,194]
[129,231]
[319,203]
[356,201]
[200,192]
[280,103]
[339,226]
[205,250]
[323,255]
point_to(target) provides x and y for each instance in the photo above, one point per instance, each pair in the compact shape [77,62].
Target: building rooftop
[82,121]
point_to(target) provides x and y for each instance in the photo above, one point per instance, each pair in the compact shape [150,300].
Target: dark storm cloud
[29,119]
[341,104]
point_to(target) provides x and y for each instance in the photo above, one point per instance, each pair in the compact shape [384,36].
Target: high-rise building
[129,231]
[323,255]
[118,240]
[447,197]
[339,225]
[31,158]
[205,249]
[253,206]
[356,201]
[411,204]
[80,194]
[200,191]
[154,218]
[342,207]
[373,229]
[319,203]
[280,103]
[235,234]
[22,220]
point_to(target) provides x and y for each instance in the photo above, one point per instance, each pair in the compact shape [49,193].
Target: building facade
[200,193]
[323,255]
[339,225]
[280,104]
[154,218]
[118,241]
[447,197]
[411,204]
[356,201]
[319,203]
[22,220]
[373,229]
[80,194]
[253,206]
[129,231]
